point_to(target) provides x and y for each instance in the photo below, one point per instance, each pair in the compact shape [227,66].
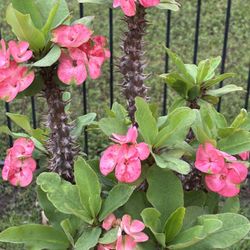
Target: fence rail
[168,44]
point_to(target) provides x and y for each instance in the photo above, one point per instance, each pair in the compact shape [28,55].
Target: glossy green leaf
[217,79]
[117,197]
[177,165]
[174,223]
[81,122]
[231,205]
[195,198]
[110,236]
[112,125]
[169,5]
[191,215]
[88,186]
[152,219]
[22,121]
[224,90]
[214,63]
[68,230]
[24,28]
[202,72]
[143,113]
[29,7]
[52,57]
[166,185]
[88,239]
[41,236]
[192,70]
[63,195]
[176,127]
[87,21]
[236,143]
[239,119]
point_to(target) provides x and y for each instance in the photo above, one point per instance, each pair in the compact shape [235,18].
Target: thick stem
[60,145]
[131,63]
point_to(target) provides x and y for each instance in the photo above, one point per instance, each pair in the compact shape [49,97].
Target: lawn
[18,206]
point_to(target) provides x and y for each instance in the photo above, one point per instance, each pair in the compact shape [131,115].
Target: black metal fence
[168,44]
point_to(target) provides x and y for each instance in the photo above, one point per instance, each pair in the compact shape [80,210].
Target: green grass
[19,206]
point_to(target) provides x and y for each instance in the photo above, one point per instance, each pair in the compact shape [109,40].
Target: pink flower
[133,228]
[209,159]
[19,51]
[128,235]
[19,165]
[129,6]
[109,221]
[227,183]
[125,158]
[71,36]
[244,155]
[71,67]
[4,56]
[97,54]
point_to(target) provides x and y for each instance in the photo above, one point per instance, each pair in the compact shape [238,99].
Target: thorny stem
[60,145]
[132,63]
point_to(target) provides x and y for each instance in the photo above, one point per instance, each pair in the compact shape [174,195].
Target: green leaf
[53,215]
[117,197]
[50,58]
[202,72]
[95,1]
[81,122]
[88,239]
[63,195]
[24,28]
[217,79]
[110,236]
[240,119]
[231,205]
[177,83]
[234,228]
[143,113]
[165,191]
[152,219]
[164,161]
[29,7]
[214,63]
[236,143]
[61,15]
[180,66]
[192,70]
[136,203]
[89,187]
[176,127]
[52,14]
[191,215]
[112,125]
[194,198]
[169,5]
[212,202]
[68,230]
[38,235]
[174,223]
[22,121]
[224,90]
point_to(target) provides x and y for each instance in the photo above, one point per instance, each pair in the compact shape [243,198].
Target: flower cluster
[19,165]
[125,157]
[224,173]
[80,50]
[14,77]
[129,6]
[129,233]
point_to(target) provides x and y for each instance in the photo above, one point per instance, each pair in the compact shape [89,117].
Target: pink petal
[26,80]
[9,90]
[27,144]
[22,178]
[4,56]
[116,3]
[143,150]
[126,222]
[109,159]
[229,190]
[128,170]
[237,172]
[136,226]
[94,69]
[215,182]
[125,243]
[130,137]
[244,155]
[5,172]
[149,3]
[19,51]
[227,156]
[71,36]
[139,237]
[128,7]
[108,222]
